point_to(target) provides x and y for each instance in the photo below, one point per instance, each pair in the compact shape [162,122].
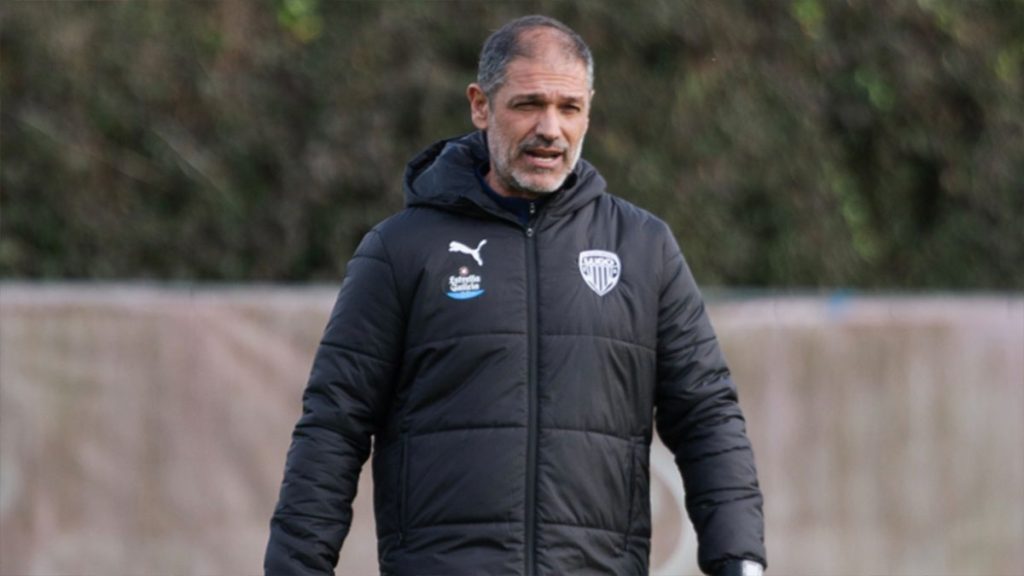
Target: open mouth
[544,156]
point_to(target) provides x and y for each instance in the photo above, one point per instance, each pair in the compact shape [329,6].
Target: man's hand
[740,568]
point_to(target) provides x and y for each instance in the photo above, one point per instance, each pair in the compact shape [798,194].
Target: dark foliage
[860,143]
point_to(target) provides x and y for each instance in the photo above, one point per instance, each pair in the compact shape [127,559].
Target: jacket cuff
[740,568]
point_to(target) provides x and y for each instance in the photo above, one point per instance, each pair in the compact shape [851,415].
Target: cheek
[574,131]
[581,130]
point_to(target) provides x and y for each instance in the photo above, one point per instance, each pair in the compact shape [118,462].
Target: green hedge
[864,144]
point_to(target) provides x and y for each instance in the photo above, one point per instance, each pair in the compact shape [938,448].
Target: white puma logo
[462,248]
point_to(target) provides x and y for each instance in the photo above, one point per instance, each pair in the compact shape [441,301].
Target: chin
[540,188]
[546,185]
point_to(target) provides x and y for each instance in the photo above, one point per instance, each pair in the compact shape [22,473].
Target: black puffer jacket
[510,405]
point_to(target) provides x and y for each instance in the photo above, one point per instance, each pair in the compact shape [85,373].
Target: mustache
[539,142]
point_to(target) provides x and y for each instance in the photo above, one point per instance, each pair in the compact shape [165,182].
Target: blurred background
[182,183]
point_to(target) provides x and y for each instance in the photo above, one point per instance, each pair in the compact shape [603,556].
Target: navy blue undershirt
[518,207]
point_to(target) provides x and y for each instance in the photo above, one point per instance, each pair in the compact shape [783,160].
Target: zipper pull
[529,232]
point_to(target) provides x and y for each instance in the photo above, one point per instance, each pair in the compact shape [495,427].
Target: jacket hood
[444,176]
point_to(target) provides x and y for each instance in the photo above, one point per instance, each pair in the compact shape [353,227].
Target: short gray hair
[505,45]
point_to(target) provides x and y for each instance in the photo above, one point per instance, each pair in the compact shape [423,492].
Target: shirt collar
[518,207]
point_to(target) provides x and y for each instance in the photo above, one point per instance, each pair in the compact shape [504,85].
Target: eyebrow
[542,97]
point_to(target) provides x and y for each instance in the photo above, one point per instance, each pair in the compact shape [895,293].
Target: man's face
[535,122]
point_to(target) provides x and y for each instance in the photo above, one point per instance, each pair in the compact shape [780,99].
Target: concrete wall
[143,430]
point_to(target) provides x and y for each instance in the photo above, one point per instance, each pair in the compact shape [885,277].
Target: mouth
[544,157]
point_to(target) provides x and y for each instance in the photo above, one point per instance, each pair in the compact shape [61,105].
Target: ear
[478,105]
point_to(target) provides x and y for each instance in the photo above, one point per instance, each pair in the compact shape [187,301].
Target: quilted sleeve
[348,392]
[698,417]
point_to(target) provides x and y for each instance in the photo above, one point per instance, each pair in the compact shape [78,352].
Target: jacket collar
[444,176]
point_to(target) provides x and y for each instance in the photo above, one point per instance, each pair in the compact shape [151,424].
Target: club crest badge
[600,270]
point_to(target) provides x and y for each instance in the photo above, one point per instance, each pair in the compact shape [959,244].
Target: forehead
[550,73]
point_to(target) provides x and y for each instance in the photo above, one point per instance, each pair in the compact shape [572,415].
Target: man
[504,344]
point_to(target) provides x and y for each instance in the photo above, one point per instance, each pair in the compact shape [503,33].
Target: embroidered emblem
[464,285]
[600,270]
[462,248]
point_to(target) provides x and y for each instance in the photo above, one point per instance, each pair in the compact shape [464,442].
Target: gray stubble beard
[513,183]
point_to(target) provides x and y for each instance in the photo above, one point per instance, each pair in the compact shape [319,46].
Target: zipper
[532,351]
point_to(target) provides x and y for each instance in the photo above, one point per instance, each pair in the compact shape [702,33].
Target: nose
[547,124]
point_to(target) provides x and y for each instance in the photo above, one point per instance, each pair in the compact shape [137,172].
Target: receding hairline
[547,42]
[531,41]
[525,38]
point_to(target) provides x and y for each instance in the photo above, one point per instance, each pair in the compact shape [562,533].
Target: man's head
[532,95]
